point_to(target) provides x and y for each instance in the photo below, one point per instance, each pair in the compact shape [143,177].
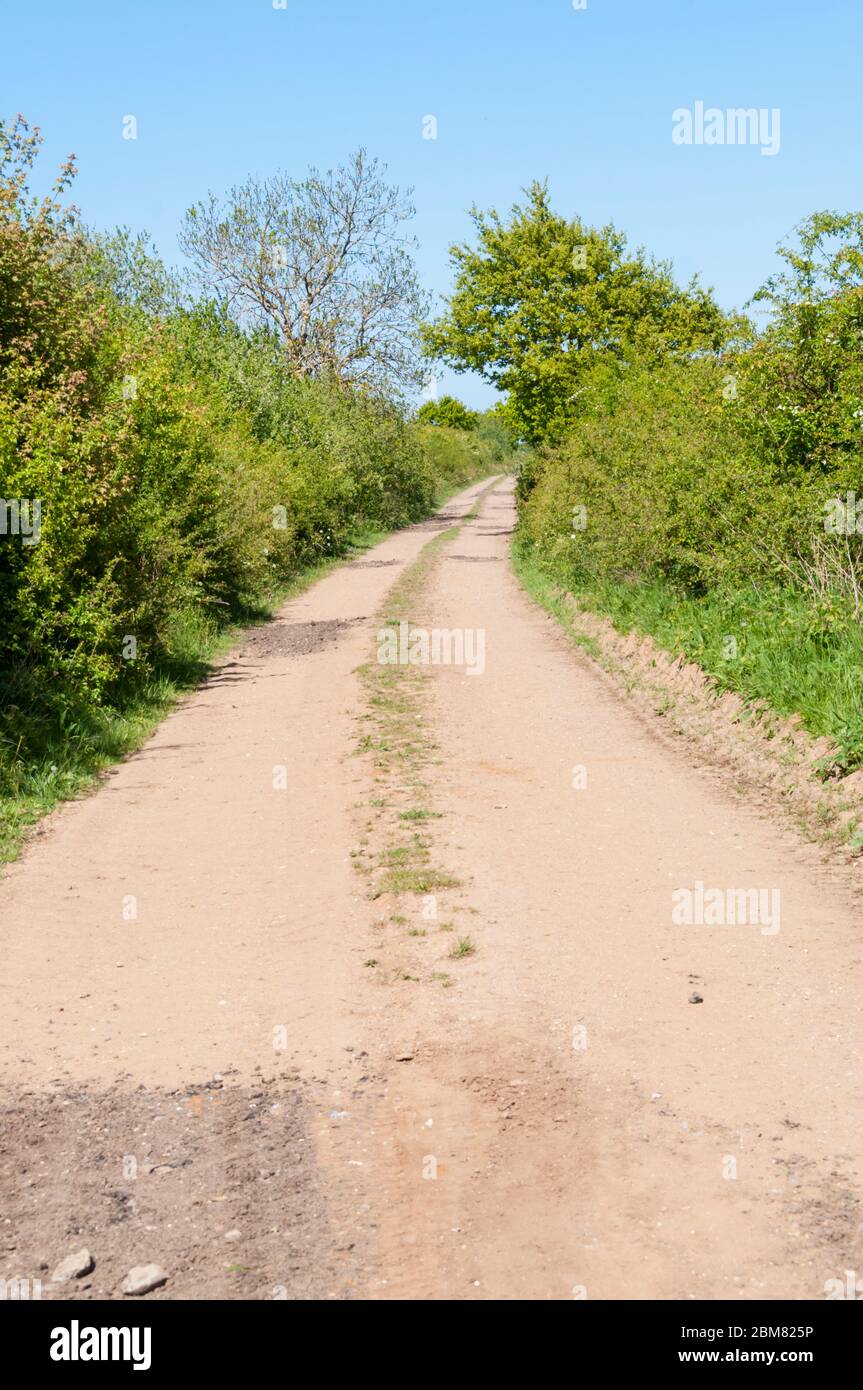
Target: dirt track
[186,982]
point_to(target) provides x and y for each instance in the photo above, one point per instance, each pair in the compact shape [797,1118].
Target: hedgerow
[717,502]
[180,475]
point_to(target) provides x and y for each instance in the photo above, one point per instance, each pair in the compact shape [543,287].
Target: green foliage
[696,499]
[185,476]
[458,456]
[448,411]
[540,300]
[803,379]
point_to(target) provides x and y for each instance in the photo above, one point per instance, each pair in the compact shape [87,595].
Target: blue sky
[521,89]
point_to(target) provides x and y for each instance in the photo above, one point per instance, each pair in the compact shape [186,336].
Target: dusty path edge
[757,755]
[222,655]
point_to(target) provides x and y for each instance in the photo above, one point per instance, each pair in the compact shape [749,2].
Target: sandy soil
[186,982]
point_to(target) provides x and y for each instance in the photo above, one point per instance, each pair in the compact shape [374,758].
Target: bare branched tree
[325,262]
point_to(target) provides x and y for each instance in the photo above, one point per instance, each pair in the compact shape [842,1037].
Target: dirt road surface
[223,1052]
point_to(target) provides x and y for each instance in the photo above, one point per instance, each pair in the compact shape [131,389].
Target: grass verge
[766,753]
[763,644]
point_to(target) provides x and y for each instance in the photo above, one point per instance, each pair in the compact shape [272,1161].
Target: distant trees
[448,411]
[539,300]
[324,262]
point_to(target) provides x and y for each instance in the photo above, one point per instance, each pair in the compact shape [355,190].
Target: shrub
[184,475]
[723,496]
[448,411]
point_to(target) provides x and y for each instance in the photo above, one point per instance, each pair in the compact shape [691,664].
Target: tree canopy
[538,300]
[325,262]
[448,411]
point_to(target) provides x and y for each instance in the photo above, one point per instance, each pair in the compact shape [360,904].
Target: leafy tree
[539,300]
[126,267]
[801,383]
[448,411]
[324,262]
[48,324]
[828,260]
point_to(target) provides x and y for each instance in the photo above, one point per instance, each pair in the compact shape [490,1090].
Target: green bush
[448,411]
[184,475]
[722,497]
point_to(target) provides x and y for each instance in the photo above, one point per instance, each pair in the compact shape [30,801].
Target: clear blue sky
[522,89]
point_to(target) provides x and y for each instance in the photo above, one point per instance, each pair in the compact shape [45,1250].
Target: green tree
[801,382]
[827,260]
[448,411]
[540,299]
